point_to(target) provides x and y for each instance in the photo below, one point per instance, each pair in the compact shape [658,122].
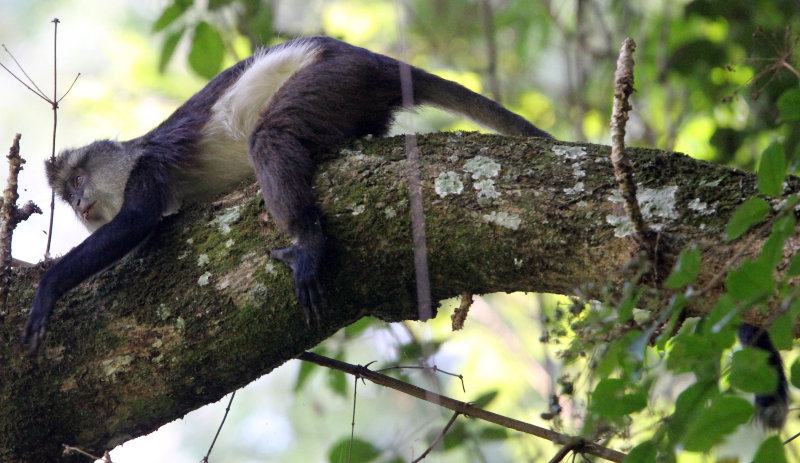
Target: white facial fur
[104,166]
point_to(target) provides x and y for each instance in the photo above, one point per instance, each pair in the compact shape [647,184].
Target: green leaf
[794,266]
[337,381]
[795,373]
[782,331]
[772,170]
[751,280]
[168,49]
[646,452]
[716,421]
[217,4]
[772,251]
[750,371]
[610,398]
[207,51]
[686,269]
[484,399]
[694,353]
[455,436]
[170,14]
[260,22]
[303,374]
[745,216]
[789,105]
[354,329]
[494,433]
[770,451]
[362,451]
[688,406]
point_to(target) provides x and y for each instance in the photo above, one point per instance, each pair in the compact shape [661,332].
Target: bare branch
[225,416]
[11,216]
[463,407]
[438,438]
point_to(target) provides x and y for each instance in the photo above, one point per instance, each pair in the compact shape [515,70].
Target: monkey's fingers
[310,297]
[286,255]
[33,335]
[307,286]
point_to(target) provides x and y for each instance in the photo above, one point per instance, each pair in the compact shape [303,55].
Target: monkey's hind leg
[284,167]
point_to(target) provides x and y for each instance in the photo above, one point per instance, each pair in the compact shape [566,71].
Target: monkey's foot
[305,266]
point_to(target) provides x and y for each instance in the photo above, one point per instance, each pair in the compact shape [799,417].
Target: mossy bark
[200,310]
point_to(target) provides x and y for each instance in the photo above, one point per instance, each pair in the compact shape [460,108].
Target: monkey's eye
[77,181]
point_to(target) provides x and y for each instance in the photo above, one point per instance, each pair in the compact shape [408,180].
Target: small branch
[460,314]
[11,216]
[37,91]
[225,416]
[463,407]
[623,171]
[69,89]
[69,450]
[438,438]
[54,105]
[491,48]
[434,369]
[562,452]
[353,420]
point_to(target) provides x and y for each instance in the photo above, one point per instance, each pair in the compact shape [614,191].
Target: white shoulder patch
[239,108]
[222,150]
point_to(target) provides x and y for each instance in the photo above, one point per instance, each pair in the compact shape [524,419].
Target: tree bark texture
[200,309]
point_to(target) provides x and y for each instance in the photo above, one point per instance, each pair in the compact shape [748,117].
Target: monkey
[771,408]
[271,114]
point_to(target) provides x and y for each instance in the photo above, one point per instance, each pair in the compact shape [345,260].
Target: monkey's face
[92,180]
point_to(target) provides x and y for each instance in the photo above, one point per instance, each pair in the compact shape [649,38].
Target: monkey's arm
[146,195]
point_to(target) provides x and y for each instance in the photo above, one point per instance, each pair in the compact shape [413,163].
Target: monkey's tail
[771,409]
[448,95]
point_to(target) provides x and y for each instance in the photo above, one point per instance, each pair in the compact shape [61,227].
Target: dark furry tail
[433,90]
[771,409]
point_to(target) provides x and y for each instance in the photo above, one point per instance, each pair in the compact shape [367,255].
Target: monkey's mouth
[87,211]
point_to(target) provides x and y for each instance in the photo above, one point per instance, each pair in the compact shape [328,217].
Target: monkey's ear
[52,168]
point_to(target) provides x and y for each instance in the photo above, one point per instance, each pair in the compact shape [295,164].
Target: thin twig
[69,89]
[227,409]
[623,171]
[415,191]
[70,450]
[791,438]
[38,91]
[353,420]
[460,314]
[562,452]
[462,407]
[54,104]
[438,438]
[434,369]
[23,83]
[491,48]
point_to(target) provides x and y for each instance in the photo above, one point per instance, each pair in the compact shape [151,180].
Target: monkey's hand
[305,263]
[36,326]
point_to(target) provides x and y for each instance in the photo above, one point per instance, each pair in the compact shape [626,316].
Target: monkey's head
[91,179]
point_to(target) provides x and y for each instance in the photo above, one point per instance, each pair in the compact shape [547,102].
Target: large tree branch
[200,310]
